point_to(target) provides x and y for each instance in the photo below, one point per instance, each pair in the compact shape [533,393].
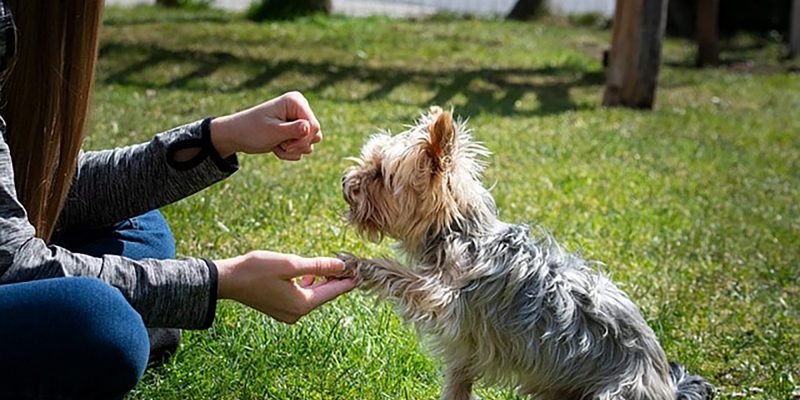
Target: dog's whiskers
[359,162]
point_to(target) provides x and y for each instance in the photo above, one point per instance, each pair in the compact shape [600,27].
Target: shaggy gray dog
[498,304]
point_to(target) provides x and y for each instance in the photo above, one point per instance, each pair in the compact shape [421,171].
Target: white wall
[402,8]
[605,7]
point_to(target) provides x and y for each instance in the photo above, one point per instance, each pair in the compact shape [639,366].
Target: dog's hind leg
[420,298]
[458,383]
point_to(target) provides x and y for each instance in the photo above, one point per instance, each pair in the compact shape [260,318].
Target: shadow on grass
[485,90]
[167,15]
[746,54]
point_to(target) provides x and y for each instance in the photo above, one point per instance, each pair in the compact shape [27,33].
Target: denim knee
[157,235]
[147,236]
[80,335]
[144,236]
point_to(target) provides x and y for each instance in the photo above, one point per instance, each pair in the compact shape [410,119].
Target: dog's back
[542,318]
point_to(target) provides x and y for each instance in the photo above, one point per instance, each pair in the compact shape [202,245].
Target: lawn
[693,207]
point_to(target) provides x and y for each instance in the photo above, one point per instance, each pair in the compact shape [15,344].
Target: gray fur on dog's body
[503,306]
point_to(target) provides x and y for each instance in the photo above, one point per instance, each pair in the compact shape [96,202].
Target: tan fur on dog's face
[419,180]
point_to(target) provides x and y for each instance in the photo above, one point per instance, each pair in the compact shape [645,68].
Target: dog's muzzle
[347,189]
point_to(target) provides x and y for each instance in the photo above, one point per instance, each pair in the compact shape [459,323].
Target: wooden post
[632,73]
[794,35]
[707,32]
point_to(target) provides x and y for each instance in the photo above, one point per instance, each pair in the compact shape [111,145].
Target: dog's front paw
[351,263]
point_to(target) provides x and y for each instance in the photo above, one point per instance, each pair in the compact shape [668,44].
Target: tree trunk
[635,57]
[794,35]
[324,6]
[681,18]
[525,9]
[707,32]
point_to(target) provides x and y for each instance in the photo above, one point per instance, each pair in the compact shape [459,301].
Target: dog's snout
[346,194]
[346,190]
[351,183]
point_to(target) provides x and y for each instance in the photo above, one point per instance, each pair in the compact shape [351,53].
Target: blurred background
[763,15]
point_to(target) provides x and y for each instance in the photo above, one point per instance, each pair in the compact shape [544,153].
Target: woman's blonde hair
[45,100]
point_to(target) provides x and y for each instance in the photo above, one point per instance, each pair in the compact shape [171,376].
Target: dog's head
[416,182]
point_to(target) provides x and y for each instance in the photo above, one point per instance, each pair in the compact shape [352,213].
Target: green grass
[693,206]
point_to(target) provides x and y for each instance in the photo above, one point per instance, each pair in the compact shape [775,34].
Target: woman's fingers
[286,155]
[295,130]
[307,280]
[319,266]
[328,290]
[299,108]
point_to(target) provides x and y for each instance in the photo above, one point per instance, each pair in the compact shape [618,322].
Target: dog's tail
[689,387]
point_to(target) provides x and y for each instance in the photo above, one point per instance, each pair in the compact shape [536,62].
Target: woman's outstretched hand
[284,125]
[283,286]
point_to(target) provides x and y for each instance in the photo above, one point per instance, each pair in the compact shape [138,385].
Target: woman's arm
[169,293]
[112,185]
[174,293]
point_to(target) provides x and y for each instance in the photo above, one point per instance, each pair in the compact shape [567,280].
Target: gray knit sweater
[111,186]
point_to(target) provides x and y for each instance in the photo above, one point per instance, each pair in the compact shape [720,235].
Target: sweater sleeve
[167,293]
[113,185]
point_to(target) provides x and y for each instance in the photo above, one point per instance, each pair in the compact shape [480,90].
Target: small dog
[498,304]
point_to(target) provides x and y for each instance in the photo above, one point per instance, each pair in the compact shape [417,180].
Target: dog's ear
[443,136]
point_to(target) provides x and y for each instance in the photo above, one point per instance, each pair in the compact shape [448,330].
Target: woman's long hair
[45,100]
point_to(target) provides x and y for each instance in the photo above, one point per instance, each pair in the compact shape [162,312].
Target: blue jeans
[78,338]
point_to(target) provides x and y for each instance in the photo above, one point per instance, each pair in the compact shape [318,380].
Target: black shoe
[163,343]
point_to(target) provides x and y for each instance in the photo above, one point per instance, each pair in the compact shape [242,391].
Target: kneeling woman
[86,260]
